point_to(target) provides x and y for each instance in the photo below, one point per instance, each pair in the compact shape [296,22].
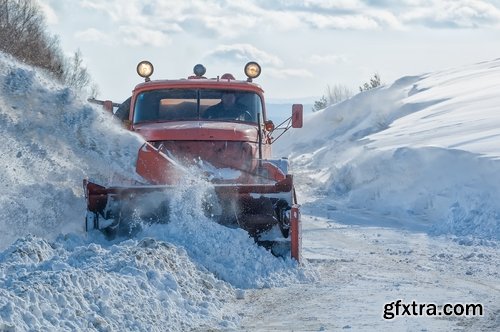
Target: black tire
[281,214]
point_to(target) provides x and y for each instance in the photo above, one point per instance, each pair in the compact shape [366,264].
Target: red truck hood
[197,131]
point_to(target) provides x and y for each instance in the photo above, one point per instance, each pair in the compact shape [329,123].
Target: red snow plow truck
[220,123]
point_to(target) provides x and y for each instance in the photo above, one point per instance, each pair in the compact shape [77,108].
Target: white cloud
[245,52]
[138,24]
[138,36]
[454,14]
[386,18]
[311,5]
[288,72]
[282,21]
[230,19]
[334,4]
[331,59]
[117,10]
[137,13]
[92,35]
[228,27]
[354,22]
[272,65]
[282,35]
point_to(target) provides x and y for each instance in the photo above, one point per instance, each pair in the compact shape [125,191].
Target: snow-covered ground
[398,187]
[423,149]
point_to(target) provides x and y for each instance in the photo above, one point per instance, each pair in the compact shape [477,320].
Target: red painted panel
[296,233]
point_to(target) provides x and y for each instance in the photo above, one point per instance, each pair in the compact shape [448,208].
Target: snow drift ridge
[423,150]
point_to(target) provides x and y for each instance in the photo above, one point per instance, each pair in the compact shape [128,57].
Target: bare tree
[94,91]
[76,75]
[334,95]
[337,93]
[22,34]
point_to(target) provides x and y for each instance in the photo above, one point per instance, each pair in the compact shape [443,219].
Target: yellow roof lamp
[145,69]
[252,70]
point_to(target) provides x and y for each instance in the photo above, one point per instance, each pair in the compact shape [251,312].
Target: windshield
[197,104]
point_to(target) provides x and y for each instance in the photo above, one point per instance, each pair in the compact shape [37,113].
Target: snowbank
[133,285]
[182,275]
[51,141]
[422,151]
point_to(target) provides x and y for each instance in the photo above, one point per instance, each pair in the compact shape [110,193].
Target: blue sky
[302,45]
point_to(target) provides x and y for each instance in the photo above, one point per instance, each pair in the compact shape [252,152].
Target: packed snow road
[362,268]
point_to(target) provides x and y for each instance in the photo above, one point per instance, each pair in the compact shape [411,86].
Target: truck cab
[220,120]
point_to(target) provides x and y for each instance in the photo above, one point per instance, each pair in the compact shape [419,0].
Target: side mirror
[297,115]
[296,121]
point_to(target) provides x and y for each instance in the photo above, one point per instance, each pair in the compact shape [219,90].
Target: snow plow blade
[257,208]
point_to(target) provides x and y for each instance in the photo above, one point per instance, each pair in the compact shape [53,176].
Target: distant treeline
[23,34]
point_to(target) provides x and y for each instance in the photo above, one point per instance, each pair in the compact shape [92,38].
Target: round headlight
[199,70]
[145,69]
[252,69]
